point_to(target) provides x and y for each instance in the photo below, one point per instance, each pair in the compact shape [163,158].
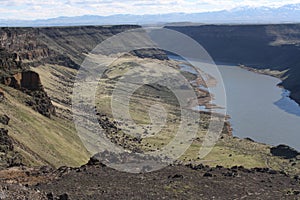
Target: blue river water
[258,108]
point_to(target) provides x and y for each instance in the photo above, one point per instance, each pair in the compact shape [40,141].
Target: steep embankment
[36,65]
[55,45]
[274,47]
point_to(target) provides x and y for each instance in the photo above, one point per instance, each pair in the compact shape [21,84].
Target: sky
[43,9]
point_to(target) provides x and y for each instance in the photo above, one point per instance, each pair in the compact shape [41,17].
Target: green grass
[41,139]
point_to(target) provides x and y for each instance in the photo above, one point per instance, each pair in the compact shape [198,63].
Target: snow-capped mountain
[284,14]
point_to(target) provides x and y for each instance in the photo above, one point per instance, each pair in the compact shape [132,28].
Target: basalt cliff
[274,47]
[37,69]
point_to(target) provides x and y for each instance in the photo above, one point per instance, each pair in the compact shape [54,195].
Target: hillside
[274,47]
[36,65]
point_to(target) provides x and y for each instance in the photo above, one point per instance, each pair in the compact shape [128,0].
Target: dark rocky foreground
[96,181]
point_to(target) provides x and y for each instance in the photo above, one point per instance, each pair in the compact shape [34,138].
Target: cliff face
[9,62]
[23,42]
[55,45]
[23,80]
[274,47]
[15,74]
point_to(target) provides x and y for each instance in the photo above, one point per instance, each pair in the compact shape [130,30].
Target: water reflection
[287,104]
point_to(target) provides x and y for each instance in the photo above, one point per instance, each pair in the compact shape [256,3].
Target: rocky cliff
[15,74]
[21,48]
[56,45]
[274,47]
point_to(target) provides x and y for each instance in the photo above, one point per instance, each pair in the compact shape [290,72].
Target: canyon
[38,67]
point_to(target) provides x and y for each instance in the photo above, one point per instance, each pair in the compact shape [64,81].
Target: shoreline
[272,73]
[268,72]
[229,126]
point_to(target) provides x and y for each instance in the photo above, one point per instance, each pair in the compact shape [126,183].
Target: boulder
[4,119]
[6,144]
[2,96]
[63,197]
[284,151]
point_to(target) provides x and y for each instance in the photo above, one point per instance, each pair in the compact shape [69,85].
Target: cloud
[37,9]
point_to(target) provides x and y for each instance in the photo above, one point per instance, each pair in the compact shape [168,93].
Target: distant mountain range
[285,14]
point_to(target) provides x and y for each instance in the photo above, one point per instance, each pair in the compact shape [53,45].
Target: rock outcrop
[29,82]
[6,142]
[9,61]
[41,103]
[26,80]
[2,95]
[150,53]
[15,74]
[8,156]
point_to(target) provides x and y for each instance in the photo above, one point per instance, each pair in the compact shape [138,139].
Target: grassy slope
[42,140]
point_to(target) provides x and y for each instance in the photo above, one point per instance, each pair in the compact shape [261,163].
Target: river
[258,108]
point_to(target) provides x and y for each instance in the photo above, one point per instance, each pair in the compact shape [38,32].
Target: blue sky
[41,9]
